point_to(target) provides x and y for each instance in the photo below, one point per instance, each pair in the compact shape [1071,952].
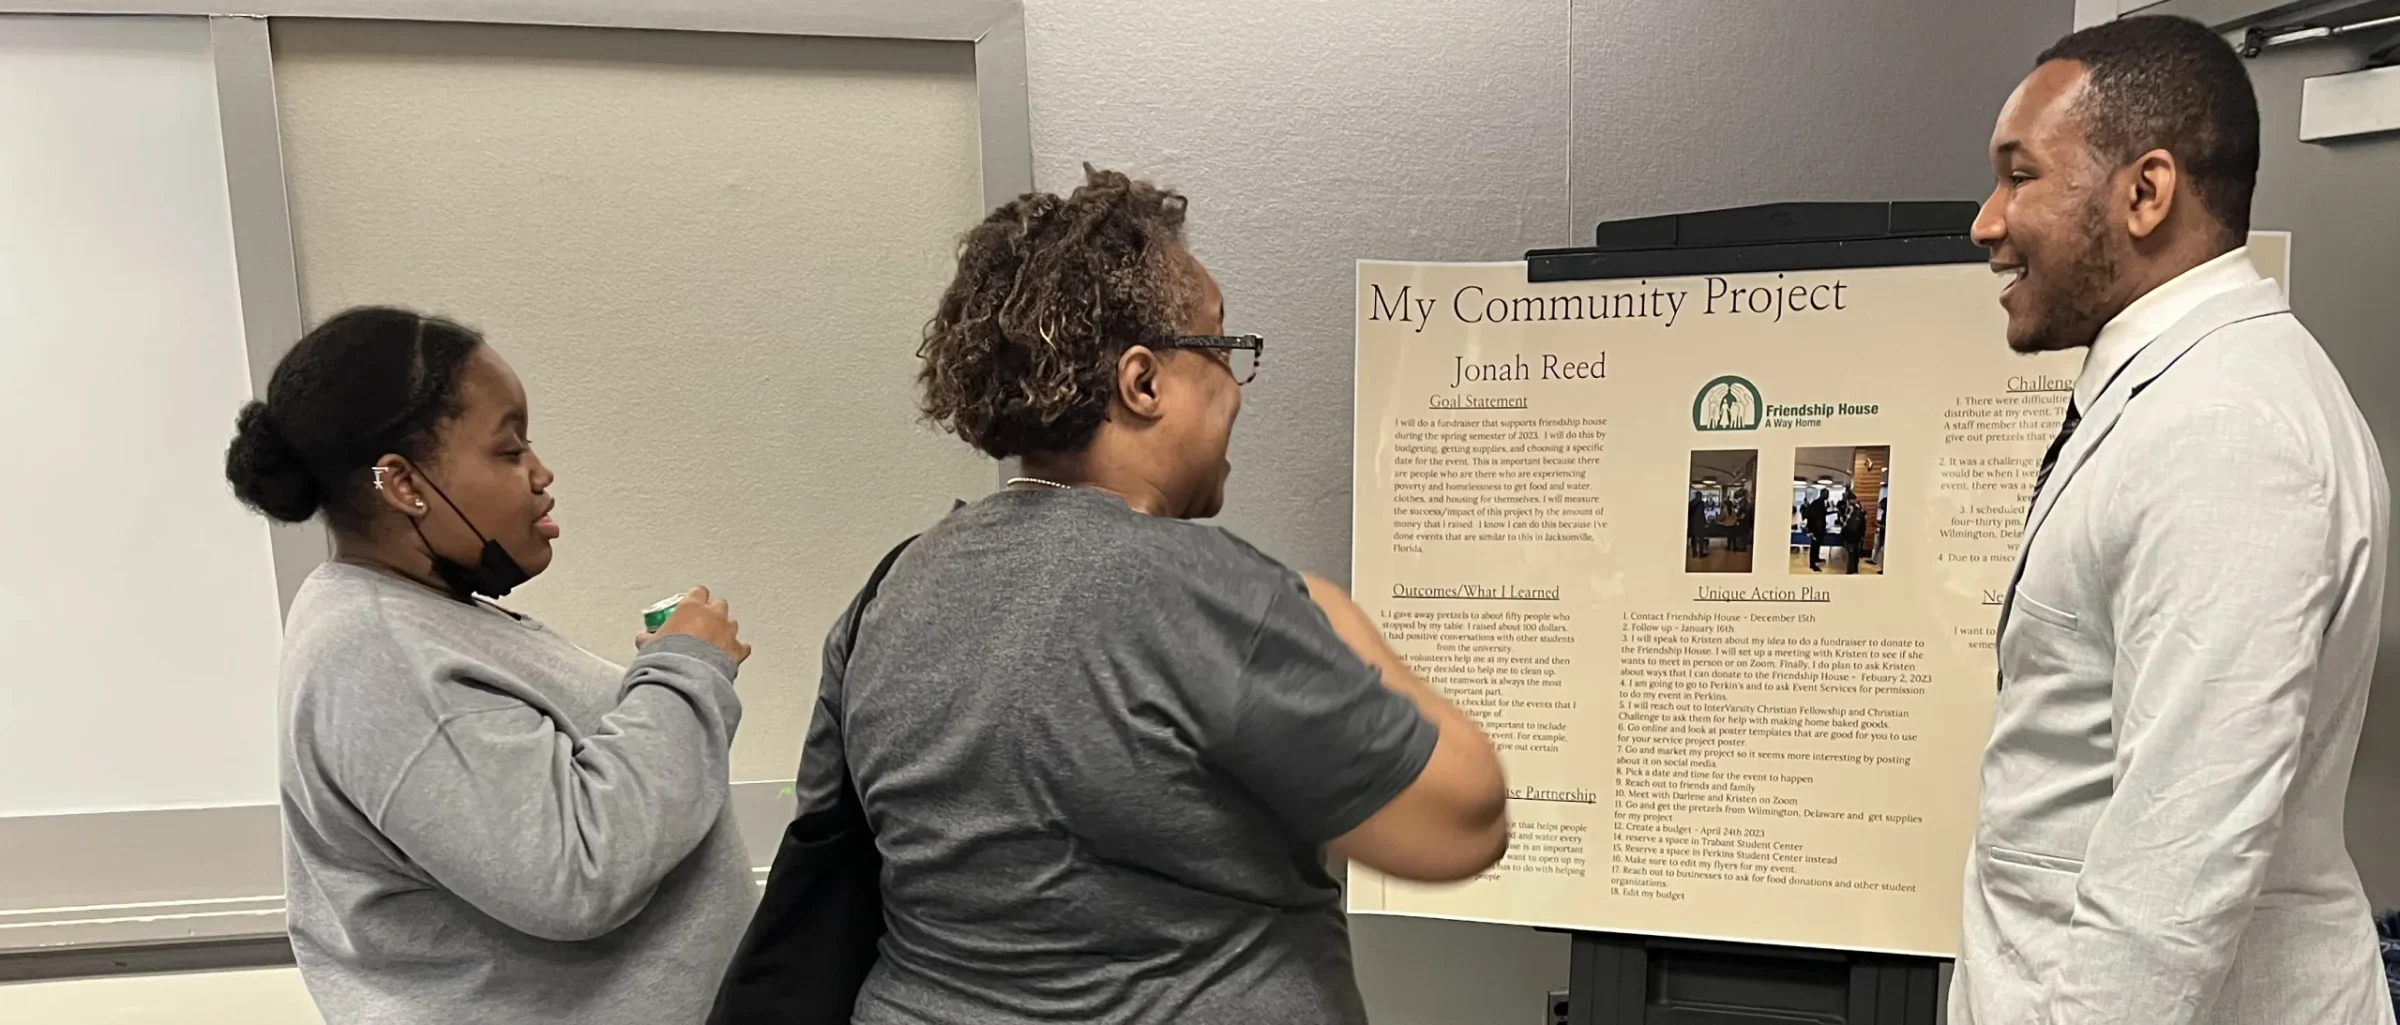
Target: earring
[420,505]
[379,471]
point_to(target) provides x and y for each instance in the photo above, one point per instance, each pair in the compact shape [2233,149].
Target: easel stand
[1619,979]
[1764,239]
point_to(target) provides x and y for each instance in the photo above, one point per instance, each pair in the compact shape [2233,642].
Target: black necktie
[2041,477]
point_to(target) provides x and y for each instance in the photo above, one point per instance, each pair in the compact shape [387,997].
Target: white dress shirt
[2152,314]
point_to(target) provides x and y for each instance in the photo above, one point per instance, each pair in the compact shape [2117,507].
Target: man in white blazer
[2185,653]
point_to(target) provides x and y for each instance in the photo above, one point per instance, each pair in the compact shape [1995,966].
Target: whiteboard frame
[262,224]
[214,875]
[264,263]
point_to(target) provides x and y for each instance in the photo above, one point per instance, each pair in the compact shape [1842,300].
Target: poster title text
[1715,296]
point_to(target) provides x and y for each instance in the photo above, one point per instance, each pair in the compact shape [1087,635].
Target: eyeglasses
[1240,353]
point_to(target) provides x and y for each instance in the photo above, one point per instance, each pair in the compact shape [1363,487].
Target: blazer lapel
[2262,299]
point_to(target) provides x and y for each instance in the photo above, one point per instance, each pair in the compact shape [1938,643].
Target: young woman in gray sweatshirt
[483,822]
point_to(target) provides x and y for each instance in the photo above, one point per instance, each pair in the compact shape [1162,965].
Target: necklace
[1013,481]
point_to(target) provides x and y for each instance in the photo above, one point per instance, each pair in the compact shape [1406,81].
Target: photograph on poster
[1840,497]
[1721,512]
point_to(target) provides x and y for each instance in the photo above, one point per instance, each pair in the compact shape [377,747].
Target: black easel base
[1618,979]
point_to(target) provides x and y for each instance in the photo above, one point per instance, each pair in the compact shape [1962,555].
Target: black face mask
[496,573]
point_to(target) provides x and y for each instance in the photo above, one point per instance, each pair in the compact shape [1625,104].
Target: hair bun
[265,471]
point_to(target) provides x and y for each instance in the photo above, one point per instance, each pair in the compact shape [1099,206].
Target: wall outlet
[1554,1007]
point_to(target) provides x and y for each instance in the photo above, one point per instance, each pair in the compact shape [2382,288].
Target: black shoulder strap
[847,802]
[867,594]
[848,807]
[875,583]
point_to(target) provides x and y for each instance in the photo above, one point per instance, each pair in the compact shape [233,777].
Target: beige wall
[708,255]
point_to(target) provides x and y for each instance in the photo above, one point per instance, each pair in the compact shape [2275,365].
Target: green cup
[656,615]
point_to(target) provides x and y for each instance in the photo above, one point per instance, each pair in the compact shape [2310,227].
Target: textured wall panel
[1687,104]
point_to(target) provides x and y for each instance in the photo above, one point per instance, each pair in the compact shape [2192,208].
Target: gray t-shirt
[1101,753]
[486,823]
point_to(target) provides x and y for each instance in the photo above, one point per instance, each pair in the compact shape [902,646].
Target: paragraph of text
[1505,479]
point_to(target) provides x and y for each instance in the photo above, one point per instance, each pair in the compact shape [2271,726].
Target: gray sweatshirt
[486,823]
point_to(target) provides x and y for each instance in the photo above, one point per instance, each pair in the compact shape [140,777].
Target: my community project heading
[1475,304]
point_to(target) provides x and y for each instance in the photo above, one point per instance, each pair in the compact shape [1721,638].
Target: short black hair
[2164,82]
[370,382]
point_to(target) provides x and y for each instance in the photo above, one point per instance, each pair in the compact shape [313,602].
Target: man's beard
[2084,300]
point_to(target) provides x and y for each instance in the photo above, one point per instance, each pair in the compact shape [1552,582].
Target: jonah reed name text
[1553,367]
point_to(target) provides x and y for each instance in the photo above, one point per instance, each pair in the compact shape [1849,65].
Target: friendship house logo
[1732,403]
[1727,404]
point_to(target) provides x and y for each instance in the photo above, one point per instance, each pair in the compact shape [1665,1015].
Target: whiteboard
[662,233]
[137,599]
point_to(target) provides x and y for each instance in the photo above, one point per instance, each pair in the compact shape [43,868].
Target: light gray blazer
[2184,667]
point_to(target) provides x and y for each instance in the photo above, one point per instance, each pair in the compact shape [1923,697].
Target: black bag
[813,940]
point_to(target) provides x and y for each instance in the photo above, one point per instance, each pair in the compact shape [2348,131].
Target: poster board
[1581,510]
